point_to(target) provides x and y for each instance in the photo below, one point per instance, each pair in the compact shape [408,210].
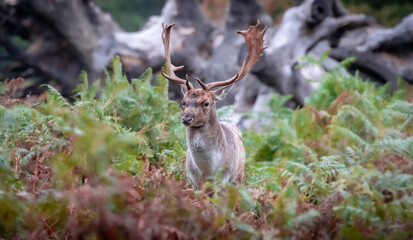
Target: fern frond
[351,155]
[145,76]
[394,182]
[330,166]
[356,113]
[297,168]
[56,97]
[395,145]
[401,106]
[343,132]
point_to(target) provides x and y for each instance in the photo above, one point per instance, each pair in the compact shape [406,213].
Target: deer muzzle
[187,119]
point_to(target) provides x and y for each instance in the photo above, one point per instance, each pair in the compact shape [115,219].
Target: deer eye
[183,104]
[206,104]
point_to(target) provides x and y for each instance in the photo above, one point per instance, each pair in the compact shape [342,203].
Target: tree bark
[62,36]
[66,37]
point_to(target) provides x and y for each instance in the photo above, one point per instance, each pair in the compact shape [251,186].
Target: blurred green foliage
[131,14]
[387,13]
[378,4]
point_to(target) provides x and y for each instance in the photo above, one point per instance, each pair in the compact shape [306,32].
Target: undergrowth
[110,164]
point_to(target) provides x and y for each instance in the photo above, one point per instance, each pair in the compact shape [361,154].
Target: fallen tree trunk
[383,55]
[62,36]
[309,28]
[66,37]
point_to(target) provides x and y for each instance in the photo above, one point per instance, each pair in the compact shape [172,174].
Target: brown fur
[212,146]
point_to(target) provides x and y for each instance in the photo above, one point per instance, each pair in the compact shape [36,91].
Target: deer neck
[207,137]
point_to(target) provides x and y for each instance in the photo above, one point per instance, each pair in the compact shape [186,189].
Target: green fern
[56,97]
[346,154]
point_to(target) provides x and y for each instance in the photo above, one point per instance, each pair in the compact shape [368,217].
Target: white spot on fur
[198,140]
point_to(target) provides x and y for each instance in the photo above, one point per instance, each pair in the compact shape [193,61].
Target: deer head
[199,104]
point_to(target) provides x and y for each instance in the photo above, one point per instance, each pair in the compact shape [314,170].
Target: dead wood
[66,37]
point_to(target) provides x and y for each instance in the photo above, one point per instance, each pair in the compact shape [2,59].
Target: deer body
[212,146]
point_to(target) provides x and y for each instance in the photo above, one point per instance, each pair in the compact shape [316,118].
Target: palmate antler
[254,38]
[255,45]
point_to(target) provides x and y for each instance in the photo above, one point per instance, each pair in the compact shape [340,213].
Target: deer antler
[254,40]
[166,34]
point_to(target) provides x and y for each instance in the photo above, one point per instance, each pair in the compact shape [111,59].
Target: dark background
[131,14]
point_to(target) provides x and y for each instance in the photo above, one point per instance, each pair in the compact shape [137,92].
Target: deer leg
[193,173]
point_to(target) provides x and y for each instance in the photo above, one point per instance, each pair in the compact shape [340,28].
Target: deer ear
[184,89]
[221,93]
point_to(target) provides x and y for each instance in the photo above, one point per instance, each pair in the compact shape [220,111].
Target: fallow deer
[212,146]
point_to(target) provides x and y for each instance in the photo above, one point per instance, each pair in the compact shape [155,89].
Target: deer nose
[187,118]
